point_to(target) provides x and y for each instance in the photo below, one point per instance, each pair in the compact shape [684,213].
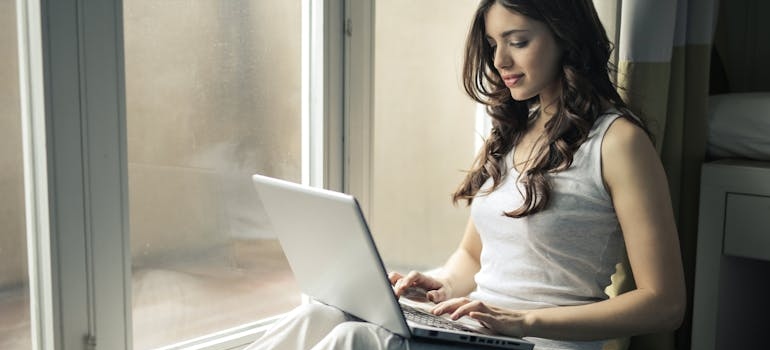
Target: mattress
[739,126]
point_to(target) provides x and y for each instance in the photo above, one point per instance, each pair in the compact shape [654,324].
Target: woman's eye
[519,44]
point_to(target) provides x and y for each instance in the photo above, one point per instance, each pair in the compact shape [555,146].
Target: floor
[177,302]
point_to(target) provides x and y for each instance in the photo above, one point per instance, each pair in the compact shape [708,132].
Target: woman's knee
[361,335]
[319,313]
[352,328]
[353,333]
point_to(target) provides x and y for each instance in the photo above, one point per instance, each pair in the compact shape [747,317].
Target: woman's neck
[545,112]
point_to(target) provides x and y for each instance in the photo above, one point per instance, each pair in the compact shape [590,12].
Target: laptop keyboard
[422,317]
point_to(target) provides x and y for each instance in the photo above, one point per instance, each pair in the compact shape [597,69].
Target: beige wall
[423,129]
[213,96]
[13,258]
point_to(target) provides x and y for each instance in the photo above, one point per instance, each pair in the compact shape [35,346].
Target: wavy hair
[585,81]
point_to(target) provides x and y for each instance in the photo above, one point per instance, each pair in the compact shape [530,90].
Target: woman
[567,180]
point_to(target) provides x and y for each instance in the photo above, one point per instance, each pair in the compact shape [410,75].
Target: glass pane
[14,291]
[420,110]
[213,96]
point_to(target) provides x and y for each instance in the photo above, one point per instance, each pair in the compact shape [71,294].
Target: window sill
[230,339]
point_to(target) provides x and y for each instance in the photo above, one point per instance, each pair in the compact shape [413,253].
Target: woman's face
[526,54]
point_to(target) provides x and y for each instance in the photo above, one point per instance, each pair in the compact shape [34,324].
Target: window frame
[73,117]
[75,163]
[358,99]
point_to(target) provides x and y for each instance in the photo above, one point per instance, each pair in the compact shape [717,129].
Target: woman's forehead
[500,22]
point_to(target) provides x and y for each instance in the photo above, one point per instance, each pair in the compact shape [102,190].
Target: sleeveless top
[563,255]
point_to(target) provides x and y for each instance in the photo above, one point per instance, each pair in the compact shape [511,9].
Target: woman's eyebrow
[508,33]
[512,31]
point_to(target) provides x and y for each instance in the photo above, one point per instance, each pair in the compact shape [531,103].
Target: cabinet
[733,255]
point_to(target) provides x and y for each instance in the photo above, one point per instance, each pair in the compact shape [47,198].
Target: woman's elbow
[673,312]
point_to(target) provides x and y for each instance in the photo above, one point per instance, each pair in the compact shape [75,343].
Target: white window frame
[73,121]
[322,84]
[35,175]
[358,94]
[74,141]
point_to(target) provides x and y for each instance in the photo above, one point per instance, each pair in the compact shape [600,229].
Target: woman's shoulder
[623,133]
[625,147]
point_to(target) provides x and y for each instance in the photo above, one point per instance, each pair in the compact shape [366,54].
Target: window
[213,95]
[420,106]
[14,292]
[238,107]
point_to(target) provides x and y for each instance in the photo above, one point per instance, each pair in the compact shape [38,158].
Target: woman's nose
[502,59]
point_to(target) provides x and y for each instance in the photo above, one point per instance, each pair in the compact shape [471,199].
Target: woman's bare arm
[637,183]
[456,276]
[461,267]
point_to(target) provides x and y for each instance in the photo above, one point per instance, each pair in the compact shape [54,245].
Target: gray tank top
[563,255]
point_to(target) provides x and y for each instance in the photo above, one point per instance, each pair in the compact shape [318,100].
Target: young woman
[567,182]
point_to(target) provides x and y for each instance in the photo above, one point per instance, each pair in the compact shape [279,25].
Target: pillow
[739,126]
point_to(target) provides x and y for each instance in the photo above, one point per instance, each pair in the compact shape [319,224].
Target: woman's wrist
[530,323]
[440,275]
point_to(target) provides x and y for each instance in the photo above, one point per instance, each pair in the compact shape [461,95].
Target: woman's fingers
[437,295]
[401,284]
[416,294]
[449,306]
[467,308]
[459,307]
[413,278]
[394,277]
[418,286]
[416,281]
[503,321]
[485,319]
[506,322]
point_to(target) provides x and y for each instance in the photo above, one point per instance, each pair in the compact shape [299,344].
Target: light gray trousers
[320,327]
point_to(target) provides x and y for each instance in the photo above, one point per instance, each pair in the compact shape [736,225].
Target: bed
[739,126]
[733,253]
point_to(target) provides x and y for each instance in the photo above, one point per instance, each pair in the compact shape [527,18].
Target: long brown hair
[585,82]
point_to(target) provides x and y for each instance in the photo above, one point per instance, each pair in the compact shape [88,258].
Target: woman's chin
[519,95]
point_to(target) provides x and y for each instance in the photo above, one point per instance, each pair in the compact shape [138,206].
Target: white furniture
[734,221]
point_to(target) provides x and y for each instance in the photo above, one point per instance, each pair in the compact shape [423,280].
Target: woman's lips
[511,79]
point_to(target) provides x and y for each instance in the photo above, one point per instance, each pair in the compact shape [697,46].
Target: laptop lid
[327,243]
[330,250]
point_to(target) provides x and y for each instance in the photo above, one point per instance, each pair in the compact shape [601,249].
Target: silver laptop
[330,250]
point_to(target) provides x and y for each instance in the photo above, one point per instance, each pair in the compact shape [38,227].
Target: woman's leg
[429,345]
[355,335]
[362,335]
[323,327]
[301,328]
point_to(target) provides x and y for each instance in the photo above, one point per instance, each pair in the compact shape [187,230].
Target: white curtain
[663,50]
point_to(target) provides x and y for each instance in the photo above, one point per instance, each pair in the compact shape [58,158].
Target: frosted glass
[14,280]
[212,97]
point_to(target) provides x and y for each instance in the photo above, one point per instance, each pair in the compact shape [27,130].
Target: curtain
[663,52]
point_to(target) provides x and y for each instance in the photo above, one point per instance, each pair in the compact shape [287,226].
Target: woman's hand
[501,321]
[418,286]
